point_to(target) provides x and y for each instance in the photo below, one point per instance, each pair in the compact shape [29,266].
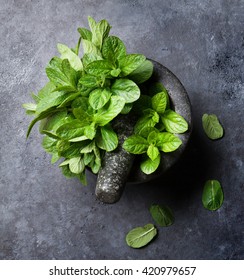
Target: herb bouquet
[94,115]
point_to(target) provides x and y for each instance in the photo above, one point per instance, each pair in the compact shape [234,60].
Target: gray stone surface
[45,216]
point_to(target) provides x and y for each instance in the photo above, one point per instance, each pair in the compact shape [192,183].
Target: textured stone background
[45,216]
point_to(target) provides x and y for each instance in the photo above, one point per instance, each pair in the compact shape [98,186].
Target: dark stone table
[45,216]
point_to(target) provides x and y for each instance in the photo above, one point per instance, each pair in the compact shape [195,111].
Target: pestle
[117,164]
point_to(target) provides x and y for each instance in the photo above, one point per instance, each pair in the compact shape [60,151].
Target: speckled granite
[45,216]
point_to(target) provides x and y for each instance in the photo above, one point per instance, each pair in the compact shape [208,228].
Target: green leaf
[88,158]
[159,102]
[85,33]
[90,131]
[88,81]
[99,97]
[115,72]
[167,142]
[68,98]
[99,68]
[55,158]
[109,111]
[130,62]
[77,48]
[135,144]
[153,136]
[141,236]
[73,150]
[173,122]
[72,129]
[212,197]
[41,116]
[90,48]
[46,91]
[61,74]
[148,166]
[142,73]
[67,53]
[212,127]
[152,152]
[127,108]
[62,145]
[113,49]
[148,120]
[107,139]
[90,57]
[29,106]
[49,144]
[99,31]
[162,215]
[76,165]
[88,148]
[56,120]
[66,171]
[55,98]
[82,115]
[126,89]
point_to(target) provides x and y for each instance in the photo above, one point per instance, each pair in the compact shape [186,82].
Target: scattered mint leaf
[162,215]
[141,236]
[212,197]
[212,127]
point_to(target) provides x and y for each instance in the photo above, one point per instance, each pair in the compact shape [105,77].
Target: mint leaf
[152,152]
[173,122]
[113,49]
[126,89]
[141,236]
[99,68]
[148,166]
[85,33]
[29,106]
[99,97]
[61,73]
[76,165]
[127,108]
[212,127]
[99,31]
[110,111]
[90,48]
[90,57]
[212,197]
[72,129]
[162,215]
[167,142]
[89,81]
[142,73]
[159,102]
[55,98]
[148,120]
[46,91]
[107,139]
[135,144]
[130,62]
[67,53]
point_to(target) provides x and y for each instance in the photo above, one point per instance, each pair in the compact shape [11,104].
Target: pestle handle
[117,164]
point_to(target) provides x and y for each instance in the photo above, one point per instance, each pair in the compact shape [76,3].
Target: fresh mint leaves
[84,95]
[155,128]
